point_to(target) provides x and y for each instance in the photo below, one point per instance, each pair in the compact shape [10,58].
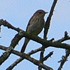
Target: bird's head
[40,13]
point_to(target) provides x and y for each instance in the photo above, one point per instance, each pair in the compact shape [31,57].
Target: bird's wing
[30,22]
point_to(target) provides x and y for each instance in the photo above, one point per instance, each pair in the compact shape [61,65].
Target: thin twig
[47,56]
[64,58]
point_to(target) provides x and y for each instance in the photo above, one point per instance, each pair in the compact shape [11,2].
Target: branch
[46,57]
[47,25]
[44,42]
[26,56]
[35,51]
[64,58]
[46,29]
[22,34]
[66,37]
[14,42]
[8,25]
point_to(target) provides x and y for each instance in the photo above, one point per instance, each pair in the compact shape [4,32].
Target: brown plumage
[35,26]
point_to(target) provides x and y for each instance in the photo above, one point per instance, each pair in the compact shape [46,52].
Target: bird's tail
[24,45]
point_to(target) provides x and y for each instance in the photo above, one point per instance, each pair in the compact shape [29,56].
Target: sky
[18,13]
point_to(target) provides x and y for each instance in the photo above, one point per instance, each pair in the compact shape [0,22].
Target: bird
[35,26]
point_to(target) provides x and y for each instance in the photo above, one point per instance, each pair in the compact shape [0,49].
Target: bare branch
[64,58]
[47,56]
[47,25]
[35,38]
[26,56]
[46,29]
[7,24]
[35,51]
[6,54]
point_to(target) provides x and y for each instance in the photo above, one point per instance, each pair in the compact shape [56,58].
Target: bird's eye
[40,12]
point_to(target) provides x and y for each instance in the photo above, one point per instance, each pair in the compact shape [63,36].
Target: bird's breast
[36,26]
